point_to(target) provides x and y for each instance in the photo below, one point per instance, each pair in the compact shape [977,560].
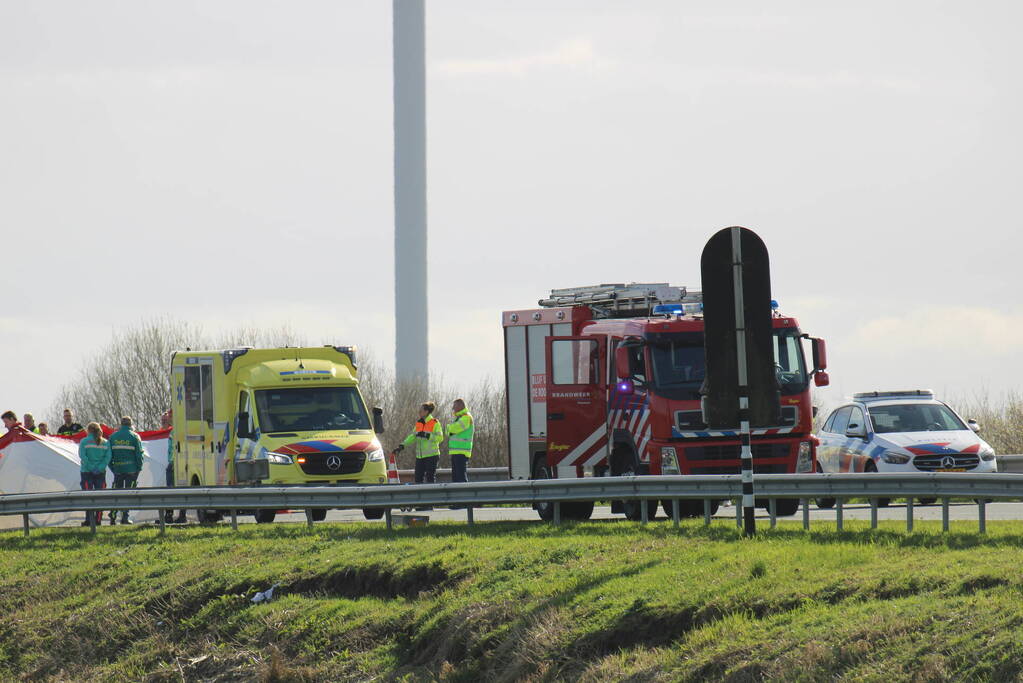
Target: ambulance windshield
[680,367]
[310,409]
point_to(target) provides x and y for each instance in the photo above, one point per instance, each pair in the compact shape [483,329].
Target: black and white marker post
[749,521]
[740,389]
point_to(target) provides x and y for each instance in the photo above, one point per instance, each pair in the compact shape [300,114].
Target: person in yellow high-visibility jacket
[425,440]
[460,435]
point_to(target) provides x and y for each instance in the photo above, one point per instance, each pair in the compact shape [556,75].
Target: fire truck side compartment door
[576,404]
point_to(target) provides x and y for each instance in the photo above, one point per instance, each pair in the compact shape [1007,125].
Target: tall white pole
[410,279]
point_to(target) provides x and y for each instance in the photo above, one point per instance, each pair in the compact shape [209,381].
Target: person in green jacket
[425,440]
[460,434]
[126,455]
[94,456]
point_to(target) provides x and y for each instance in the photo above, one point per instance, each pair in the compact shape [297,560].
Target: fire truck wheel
[634,508]
[579,511]
[265,516]
[689,508]
[544,508]
[786,507]
[371,513]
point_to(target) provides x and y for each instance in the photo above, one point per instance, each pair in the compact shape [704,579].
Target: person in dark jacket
[126,456]
[70,427]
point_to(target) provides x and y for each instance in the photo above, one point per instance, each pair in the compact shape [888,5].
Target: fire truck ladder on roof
[621,300]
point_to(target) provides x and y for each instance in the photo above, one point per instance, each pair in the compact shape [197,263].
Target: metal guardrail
[1009,463]
[981,487]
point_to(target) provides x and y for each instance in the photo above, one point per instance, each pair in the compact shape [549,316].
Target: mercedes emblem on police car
[334,462]
[948,462]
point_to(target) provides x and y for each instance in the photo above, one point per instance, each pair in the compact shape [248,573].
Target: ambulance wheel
[370,513]
[881,502]
[265,516]
[543,508]
[319,514]
[208,516]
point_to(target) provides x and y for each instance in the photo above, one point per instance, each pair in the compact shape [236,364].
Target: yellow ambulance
[286,416]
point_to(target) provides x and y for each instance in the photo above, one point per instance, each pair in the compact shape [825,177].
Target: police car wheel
[319,514]
[881,502]
[368,513]
[927,501]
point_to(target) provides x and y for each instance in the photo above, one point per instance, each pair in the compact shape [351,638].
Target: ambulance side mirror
[622,363]
[244,428]
[378,420]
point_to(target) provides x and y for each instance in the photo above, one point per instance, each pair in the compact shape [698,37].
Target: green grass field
[513,601]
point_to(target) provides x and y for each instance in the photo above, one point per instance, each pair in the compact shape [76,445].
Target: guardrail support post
[909,515]
[309,517]
[675,514]
[982,515]
[772,508]
[24,519]
[644,511]
[738,513]
[873,513]
[388,520]
[838,513]
[806,514]
[92,521]
[706,511]
[468,515]
[944,514]
[163,521]
[557,513]
[234,519]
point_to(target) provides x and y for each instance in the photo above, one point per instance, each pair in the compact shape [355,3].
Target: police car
[900,431]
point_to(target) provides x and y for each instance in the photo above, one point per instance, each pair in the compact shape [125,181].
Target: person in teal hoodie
[126,455]
[94,455]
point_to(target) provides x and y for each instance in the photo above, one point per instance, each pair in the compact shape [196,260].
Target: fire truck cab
[607,381]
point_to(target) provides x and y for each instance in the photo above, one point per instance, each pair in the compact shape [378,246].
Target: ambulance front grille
[331,464]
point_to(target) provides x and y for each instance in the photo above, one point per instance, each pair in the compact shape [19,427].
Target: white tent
[30,463]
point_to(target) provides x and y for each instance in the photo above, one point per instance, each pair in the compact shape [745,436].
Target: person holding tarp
[94,455]
[126,455]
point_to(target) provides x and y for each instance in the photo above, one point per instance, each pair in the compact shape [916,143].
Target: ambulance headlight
[279,459]
[669,461]
[376,455]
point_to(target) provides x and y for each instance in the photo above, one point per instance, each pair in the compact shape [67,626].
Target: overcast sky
[230,162]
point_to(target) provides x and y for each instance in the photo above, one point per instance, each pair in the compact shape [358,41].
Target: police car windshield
[914,417]
[310,409]
[680,367]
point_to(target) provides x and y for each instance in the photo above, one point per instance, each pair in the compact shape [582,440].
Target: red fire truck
[606,381]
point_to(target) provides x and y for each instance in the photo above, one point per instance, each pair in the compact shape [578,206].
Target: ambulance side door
[198,439]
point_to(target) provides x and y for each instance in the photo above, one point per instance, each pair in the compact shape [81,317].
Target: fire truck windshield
[679,366]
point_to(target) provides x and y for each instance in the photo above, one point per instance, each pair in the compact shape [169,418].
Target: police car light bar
[909,393]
